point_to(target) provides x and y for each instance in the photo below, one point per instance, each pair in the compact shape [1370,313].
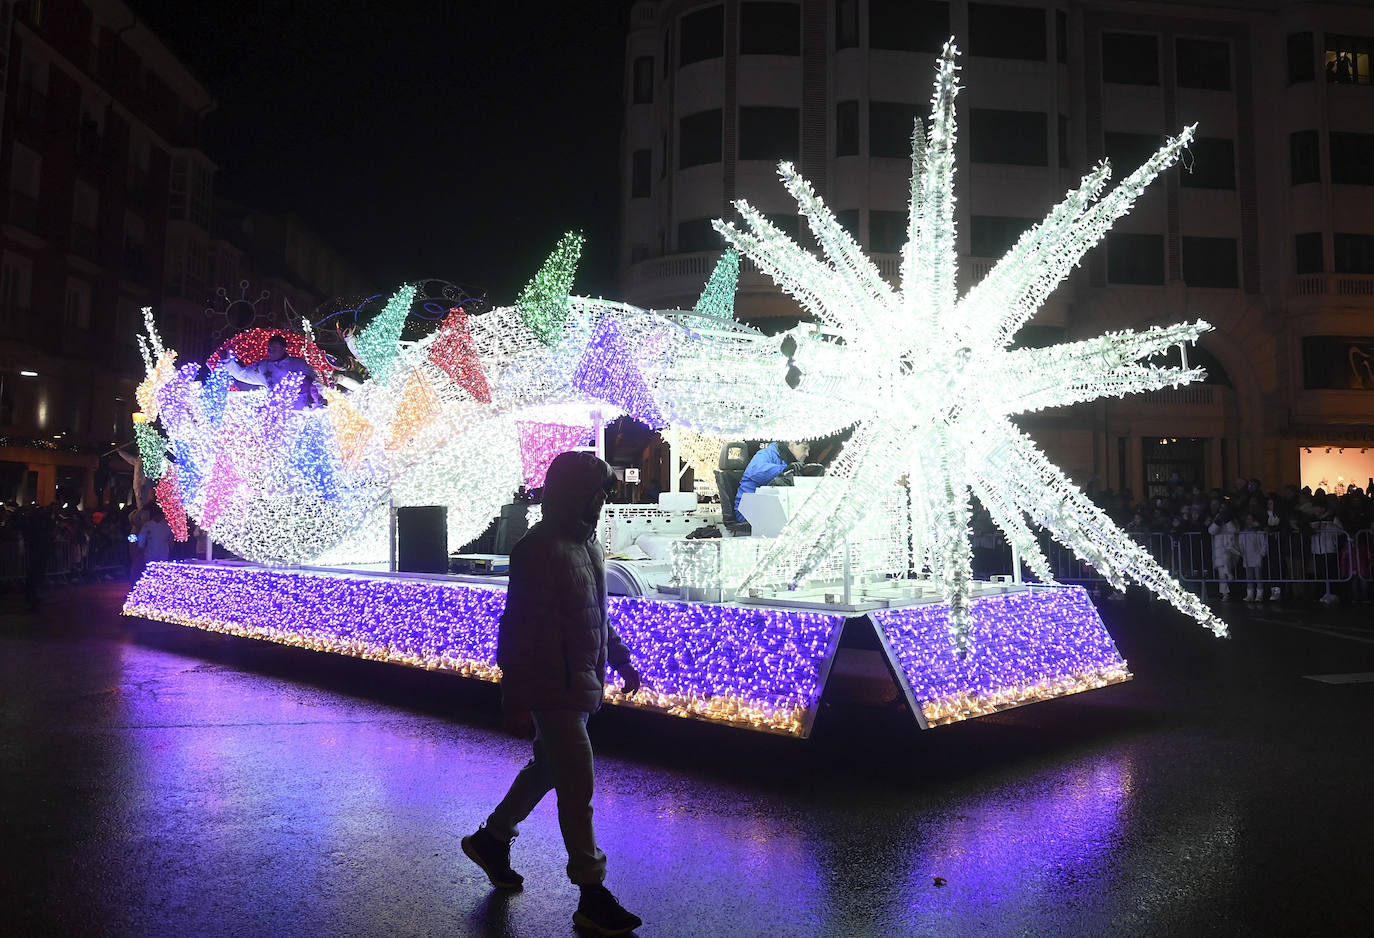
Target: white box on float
[677,501]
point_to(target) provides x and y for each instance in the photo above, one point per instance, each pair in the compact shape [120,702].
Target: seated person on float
[775,464]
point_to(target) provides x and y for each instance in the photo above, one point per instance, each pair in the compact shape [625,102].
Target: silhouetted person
[37,527]
[553,646]
[1343,69]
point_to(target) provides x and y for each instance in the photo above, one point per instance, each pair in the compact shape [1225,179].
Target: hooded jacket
[554,641]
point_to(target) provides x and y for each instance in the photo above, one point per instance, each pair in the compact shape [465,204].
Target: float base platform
[753,667]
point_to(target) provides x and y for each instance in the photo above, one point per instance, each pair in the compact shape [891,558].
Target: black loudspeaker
[422,539]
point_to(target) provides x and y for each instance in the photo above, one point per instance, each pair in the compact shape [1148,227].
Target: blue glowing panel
[1026,646]
[759,669]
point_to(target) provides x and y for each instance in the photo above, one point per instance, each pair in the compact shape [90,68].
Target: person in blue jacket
[767,465]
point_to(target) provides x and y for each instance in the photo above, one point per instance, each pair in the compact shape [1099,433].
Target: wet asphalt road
[157,780]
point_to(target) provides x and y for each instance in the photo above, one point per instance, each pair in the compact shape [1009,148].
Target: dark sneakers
[493,856]
[598,911]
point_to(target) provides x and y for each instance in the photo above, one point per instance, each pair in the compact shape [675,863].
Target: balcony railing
[1353,285]
[1197,394]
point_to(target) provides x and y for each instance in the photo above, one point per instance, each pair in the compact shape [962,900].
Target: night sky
[455,139]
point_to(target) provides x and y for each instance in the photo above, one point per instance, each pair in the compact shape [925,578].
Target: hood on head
[575,482]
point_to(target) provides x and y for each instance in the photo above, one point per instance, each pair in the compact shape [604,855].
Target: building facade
[1266,230]
[108,206]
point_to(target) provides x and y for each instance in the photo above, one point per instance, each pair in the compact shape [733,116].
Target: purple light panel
[1027,646]
[758,668]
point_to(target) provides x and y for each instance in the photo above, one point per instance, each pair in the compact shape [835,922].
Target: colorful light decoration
[169,500]
[606,372]
[250,348]
[454,353]
[758,668]
[152,447]
[923,378]
[541,442]
[376,345]
[543,304]
[750,667]
[718,299]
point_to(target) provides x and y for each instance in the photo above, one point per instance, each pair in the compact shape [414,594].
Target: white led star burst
[930,382]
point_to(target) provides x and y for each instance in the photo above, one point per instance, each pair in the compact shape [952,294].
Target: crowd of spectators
[1244,541]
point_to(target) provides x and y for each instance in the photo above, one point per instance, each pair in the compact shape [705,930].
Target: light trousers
[562,762]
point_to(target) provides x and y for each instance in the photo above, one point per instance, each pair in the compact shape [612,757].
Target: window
[1213,166]
[789,225]
[994,235]
[1203,63]
[769,133]
[908,25]
[890,124]
[1127,151]
[77,310]
[1308,252]
[177,197]
[767,28]
[697,235]
[849,220]
[1338,362]
[847,128]
[1019,138]
[1301,66]
[1352,158]
[643,80]
[1135,258]
[16,277]
[1061,37]
[1354,253]
[86,207]
[1347,59]
[886,231]
[1130,58]
[1006,32]
[846,24]
[641,171]
[1210,262]
[701,36]
[26,171]
[699,139]
[202,193]
[1303,157]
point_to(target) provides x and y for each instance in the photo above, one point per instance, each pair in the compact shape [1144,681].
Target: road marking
[1348,638]
[1365,678]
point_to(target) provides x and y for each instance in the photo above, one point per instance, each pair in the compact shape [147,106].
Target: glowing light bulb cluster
[543,304]
[924,379]
[940,382]
[757,668]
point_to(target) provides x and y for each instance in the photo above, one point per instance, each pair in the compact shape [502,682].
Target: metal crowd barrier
[1327,560]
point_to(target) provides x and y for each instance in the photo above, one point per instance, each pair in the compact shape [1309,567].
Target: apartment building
[1266,230]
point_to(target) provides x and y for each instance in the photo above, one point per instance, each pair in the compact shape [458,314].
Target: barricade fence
[1333,561]
[65,559]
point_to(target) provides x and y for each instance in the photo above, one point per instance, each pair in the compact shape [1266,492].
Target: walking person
[553,646]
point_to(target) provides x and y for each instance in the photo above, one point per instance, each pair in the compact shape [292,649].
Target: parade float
[740,630]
